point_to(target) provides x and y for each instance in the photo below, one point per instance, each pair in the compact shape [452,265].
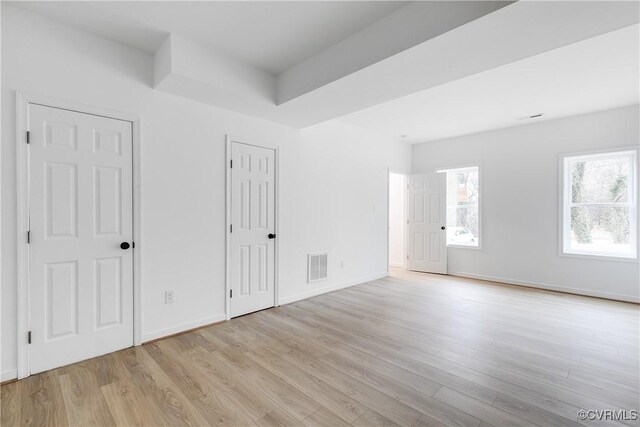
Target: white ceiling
[483,71]
[287,32]
[594,74]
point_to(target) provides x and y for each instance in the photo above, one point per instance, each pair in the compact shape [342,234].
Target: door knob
[271,236]
[443,227]
[125,245]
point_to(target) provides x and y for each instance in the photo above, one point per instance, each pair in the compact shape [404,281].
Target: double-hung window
[463,201]
[600,204]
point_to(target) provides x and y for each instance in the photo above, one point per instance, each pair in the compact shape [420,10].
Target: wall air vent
[316,267]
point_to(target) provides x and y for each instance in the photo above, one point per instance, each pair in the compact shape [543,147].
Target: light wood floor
[410,350]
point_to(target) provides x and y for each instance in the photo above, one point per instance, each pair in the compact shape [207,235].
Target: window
[599,204]
[463,214]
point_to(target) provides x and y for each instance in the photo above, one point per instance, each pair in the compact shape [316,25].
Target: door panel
[62,302]
[80,210]
[107,197]
[426,246]
[252,262]
[108,291]
[61,193]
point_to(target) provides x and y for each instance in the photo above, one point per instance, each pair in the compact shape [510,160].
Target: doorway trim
[22,184]
[276,253]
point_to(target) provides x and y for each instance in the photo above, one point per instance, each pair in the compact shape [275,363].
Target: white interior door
[252,260]
[426,223]
[80,212]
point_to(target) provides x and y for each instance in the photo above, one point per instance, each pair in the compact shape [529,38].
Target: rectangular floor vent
[316,267]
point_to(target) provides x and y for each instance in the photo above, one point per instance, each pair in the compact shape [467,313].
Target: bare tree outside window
[600,208]
[463,194]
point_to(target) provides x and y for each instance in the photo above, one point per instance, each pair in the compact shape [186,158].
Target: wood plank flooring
[409,350]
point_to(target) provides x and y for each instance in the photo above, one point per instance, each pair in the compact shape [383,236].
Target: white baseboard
[11,374]
[221,317]
[396,264]
[330,288]
[548,287]
[181,328]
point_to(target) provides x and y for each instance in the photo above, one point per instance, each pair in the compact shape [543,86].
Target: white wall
[333,179]
[396,219]
[336,187]
[519,198]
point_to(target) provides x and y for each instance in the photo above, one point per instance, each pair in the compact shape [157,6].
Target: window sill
[464,246]
[592,256]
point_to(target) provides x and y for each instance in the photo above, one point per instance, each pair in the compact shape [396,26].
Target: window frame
[480,196]
[565,204]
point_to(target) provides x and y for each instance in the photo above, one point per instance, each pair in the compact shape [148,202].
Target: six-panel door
[426,211]
[252,267]
[80,211]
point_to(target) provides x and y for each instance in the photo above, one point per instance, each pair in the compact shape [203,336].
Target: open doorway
[397,220]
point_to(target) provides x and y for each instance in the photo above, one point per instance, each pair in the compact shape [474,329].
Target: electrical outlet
[169,297]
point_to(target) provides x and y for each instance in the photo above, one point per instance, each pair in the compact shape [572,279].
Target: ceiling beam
[407,27]
[511,33]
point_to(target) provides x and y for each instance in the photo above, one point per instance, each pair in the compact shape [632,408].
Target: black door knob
[271,236]
[442,228]
[125,245]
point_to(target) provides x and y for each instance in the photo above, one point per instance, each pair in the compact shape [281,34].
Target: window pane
[462,207]
[601,229]
[462,187]
[600,180]
[462,225]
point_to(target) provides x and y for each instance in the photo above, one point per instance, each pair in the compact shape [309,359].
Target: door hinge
[28,236]
[231,164]
[29,337]
[407,221]
[230,228]
[230,293]
[28,137]
[407,256]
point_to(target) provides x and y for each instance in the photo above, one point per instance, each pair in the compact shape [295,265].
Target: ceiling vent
[316,267]
[533,116]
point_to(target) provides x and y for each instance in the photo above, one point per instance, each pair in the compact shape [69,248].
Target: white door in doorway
[426,223]
[80,213]
[252,246]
